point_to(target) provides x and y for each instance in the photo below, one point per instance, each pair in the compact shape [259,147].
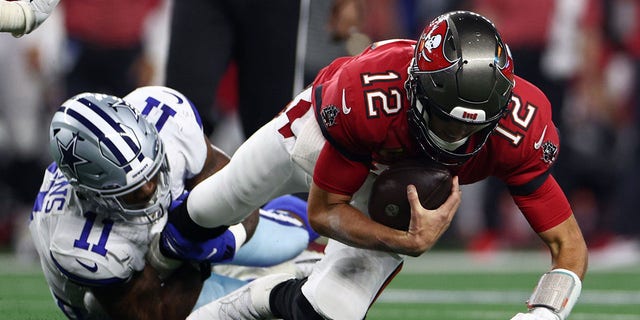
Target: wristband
[557,290]
[163,265]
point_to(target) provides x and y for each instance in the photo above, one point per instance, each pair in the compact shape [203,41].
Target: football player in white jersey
[23,16]
[100,221]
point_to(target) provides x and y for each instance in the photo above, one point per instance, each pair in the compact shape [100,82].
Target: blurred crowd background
[584,54]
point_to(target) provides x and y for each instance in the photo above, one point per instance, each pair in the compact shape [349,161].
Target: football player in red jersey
[451,96]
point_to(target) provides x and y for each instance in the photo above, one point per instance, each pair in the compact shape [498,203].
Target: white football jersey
[79,248]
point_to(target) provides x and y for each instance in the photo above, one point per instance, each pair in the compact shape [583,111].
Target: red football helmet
[460,83]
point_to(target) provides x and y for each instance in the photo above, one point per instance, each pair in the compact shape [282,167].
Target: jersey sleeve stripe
[37,205]
[529,187]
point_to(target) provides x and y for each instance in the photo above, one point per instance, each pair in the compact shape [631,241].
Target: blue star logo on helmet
[69,157]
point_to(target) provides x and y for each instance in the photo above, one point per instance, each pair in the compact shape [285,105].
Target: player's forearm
[147,297]
[180,292]
[558,290]
[346,224]
[170,299]
[572,257]
[567,247]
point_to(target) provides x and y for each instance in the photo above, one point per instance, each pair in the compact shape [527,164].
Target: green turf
[448,290]
[26,296]
[480,295]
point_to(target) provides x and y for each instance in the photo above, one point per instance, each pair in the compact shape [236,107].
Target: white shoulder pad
[179,126]
[160,104]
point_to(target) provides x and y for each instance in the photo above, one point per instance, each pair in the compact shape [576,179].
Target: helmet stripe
[96,131]
[111,122]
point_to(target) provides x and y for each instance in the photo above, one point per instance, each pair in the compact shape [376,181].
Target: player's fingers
[455,184]
[453,202]
[414,203]
[412,196]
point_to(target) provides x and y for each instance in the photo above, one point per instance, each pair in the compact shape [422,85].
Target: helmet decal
[430,47]
[69,157]
[113,135]
[504,61]
[470,115]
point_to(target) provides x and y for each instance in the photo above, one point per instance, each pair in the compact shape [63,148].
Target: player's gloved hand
[41,10]
[219,249]
[540,313]
[22,17]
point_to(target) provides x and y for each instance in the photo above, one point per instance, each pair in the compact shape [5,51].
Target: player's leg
[217,286]
[260,170]
[291,205]
[248,302]
[279,237]
[345,283]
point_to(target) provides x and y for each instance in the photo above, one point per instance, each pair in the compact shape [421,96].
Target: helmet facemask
[430,142]
[113,204]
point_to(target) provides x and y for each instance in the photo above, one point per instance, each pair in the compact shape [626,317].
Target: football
[388,202]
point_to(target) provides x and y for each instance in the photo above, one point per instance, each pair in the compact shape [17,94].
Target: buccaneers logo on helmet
[431,46]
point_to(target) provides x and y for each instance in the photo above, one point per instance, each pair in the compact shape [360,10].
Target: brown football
[388,202]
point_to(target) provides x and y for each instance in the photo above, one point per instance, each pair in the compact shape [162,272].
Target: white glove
[41,10]
[537,314]
[22,17]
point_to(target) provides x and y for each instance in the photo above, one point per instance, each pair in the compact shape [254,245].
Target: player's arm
[331,214]
[216,160]
[22,17]
[559,289]
[145,296]
[567,247]
[183,239]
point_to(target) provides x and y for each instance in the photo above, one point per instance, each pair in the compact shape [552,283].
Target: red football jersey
[361,105]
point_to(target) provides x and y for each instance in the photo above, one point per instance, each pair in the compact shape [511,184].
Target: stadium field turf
[440,285]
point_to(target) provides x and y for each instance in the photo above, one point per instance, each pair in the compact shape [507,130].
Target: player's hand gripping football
[426,226]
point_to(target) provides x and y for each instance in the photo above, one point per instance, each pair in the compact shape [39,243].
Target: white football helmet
[107,150]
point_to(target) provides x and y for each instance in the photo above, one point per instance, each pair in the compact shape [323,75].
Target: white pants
[267,165]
